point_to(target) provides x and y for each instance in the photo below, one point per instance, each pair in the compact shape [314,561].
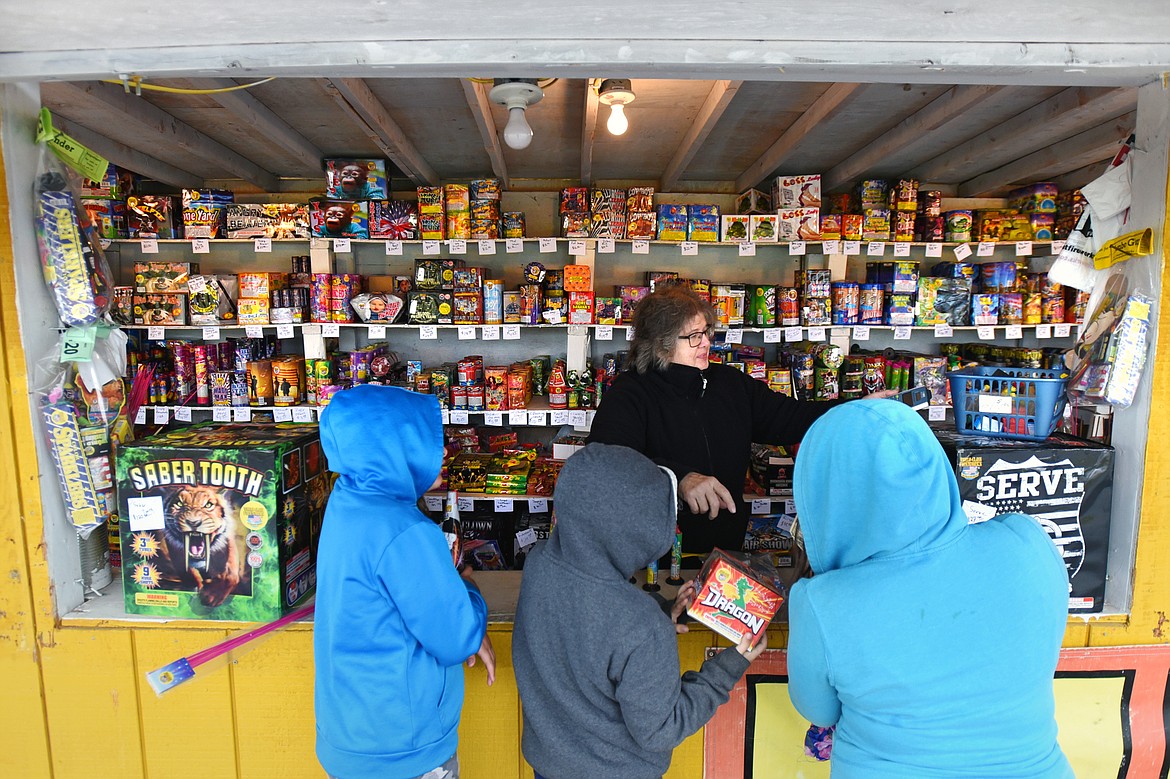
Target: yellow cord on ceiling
[136,83]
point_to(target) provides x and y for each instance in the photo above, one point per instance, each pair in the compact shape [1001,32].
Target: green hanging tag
[85,161]
[77,344]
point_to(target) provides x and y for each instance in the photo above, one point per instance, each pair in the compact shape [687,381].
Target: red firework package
[737,594]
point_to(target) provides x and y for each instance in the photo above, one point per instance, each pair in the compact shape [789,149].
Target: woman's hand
[705,494]
[488,655]
[684,597]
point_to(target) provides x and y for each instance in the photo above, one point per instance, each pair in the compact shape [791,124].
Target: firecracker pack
[221,521]
[737,594]
[267,220]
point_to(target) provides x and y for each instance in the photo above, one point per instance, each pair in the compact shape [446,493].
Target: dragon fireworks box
[221,521]
[737,594]
[1066,483]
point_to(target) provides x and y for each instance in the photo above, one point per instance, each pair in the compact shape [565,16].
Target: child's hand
[750,652]
[488,655]
[682,599]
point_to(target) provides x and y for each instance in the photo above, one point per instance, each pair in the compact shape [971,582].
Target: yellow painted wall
[75,699]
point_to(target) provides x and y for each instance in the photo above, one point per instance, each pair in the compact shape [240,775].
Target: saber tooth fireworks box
[1066,483]
[737,594]
[221,521]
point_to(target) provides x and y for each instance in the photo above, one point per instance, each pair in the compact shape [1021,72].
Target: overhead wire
[138,84]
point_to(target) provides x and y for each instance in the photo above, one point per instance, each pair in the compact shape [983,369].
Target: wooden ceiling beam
[1068,112]
[144,113]
[481,109]
[709,115]
[131,159]
[360,103]
[823,108]
[945,108]
[1064,156]
[588,131]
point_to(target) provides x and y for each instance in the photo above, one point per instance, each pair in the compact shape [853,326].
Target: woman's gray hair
[657,321]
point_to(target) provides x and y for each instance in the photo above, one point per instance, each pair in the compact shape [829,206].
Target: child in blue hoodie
[930,643]
[394,621]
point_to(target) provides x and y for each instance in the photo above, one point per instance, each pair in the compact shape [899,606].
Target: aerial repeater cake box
[220,521]
[736,594]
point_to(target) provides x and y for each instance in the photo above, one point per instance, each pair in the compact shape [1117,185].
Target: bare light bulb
[617,123]
[517,133]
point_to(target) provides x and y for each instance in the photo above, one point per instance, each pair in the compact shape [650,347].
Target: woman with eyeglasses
[696,418]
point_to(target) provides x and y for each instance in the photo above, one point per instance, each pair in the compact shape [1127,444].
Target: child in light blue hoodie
[394,621]
[930,643]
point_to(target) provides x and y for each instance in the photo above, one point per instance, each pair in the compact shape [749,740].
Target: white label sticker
[140,416]
[577,418]
[861,333]
[394,248]
[831,247]
[221,414]
[330,330]
[689,248]
[200,246]
[262,245]
[431,247]
[377,332]
[428,333]
[852,248]
[875,248]
[773,335]
[577,247]
[559,417]
[491,332]
[1023,248]
[211,333]
[182,414]
[341,245]
[254,331]
[445,414]
[816,334]
[513,245]
[466,332]
[1014,332]
[977,512]
[457,246]
[196,284]
[518,417]
[149,246]
[538,505]
[548,245]
[465,504]
[1062,330]
[901,249]
[629,333]
[761,506]
[640,246]
[797,248]
[995,404]
[502,504]
[793,334]
[1043,331]
[242,414]
[156,333]
[526,537]
[162,415]
[302,414]
[790,510]
[493,418]
[734,336]
[511,332]
[985,249]
[605,246]
[902,333]
[459,417]
[936,413]
[282,414]
[986,332]
[603,333]
[747,249]
[284,331]
[434,502]
[962,251]
[486,247]
[934,249]
[145,513]
[943,331]
[538,418]
[1057,247]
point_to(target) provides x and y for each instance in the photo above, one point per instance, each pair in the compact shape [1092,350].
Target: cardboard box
[268,220]
[239,505]
[797,192]
[799,224]
[566,446]
[163,276]
[737,594]
[356,179]
[1065,482]
[164,308]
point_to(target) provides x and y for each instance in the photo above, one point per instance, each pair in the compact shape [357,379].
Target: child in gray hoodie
[596,658]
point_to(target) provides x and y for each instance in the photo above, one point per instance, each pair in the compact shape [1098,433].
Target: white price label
[491,332]
[640,246]
[793,334]
[431,247]
[156,333]
[985,249]
[394,248]
[434,502]
[603,333]
[797,248]
[140,416]
[831,247]
[934,249]
[559,417]
[513,245]
[466,332]
[445,415]
[242,414]
[578,330]
[852,248]
[262,245]
[377,332]
[761,506]
[465,504]
[629,333]
[526,537]
[577,248]
[221,415]
[1057,247]
[605,246]
[688,248]
[547,245]
[538,418]
[428,333]
[538,505]
[977,512]
[149,246]
[1023,248]
[861,333]
[145,513]
[962,251]
[995,404]
[196,284]
[458,417]
[162,415]
[1062,330]
[901,249]
[1043,331]
[486,247]
[284,331]
[773,335]
[283,414]
[936,413]
[330,330]
[511,332]
[457,246]
[493,418]
[747,249]
[254,331]
[1013,332]
[301,414]
[816,334]
[182,414]
[577,418]
[211,333]
[902,333]
[790,510]
[733,336]
[503,504]
[986,332]
[875,249]
[518,417]
[341,245]
[943,331]
[318,243]
[200,246]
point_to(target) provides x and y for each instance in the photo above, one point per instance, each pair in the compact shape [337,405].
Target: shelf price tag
[1043,331]
[211,333]
[640,246]
[282,414]
[576,248]
[465,504]
[200,246]
[182,413]
[852,248]
[302,414]
[943,331]
[466,332]
[162,415]
[284,331]
[761,506]
[603,333]
[689,248]
[446,415]
[793,334]
[487,246]
[1014,332]
[577,418]
[1023,248]
[148,246]
[734,336]
[986,332]
[830,247]
[156,333]
[773,335]
[254,331]
[330,330]
[491,332]
[511,332]
[1056,248]
[901,249]
[518,417]
[341,245]
[1062,330]
[934,249]
[493,418]
[538,505]
[936,413]
[816,334]
[513,245]
[140,416]
[902,333]
[196,284]
[548,245]
[377,332]
[605,246]
[434,502]
[502,504]
[458,417]
[394,248]
[747,249]
[559,417]
[262,245]
[431,247]
[629,333]
[538,418]
[221,415]
[457,246]
[427,333]
[242,414]
[797,248]
[985,249]
[861,333]
[962,251]
[790,509]
[875,248]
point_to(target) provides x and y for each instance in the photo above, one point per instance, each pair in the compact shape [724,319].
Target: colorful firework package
[737,594]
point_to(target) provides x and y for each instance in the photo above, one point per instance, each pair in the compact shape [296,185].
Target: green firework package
[221,521]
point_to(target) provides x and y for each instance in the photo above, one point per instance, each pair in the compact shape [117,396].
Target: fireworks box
[1066,483]
[737,594]
[221,521]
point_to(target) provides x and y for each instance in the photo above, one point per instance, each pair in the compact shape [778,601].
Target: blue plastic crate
[1024,403]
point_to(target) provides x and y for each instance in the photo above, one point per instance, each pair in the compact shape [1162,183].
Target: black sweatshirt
[705,422]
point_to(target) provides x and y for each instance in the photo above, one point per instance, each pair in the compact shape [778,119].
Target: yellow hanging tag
[85,161]
[1135,244]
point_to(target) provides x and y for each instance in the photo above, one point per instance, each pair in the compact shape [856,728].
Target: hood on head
[615,510]
[384,439]
[870,481]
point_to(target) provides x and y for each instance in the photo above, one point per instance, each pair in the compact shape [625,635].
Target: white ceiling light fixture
[616,93]
[516,94]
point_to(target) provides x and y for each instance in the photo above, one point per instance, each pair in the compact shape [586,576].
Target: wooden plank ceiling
[684,135]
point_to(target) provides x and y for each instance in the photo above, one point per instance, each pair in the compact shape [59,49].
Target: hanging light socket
[616,93]
[516,94]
